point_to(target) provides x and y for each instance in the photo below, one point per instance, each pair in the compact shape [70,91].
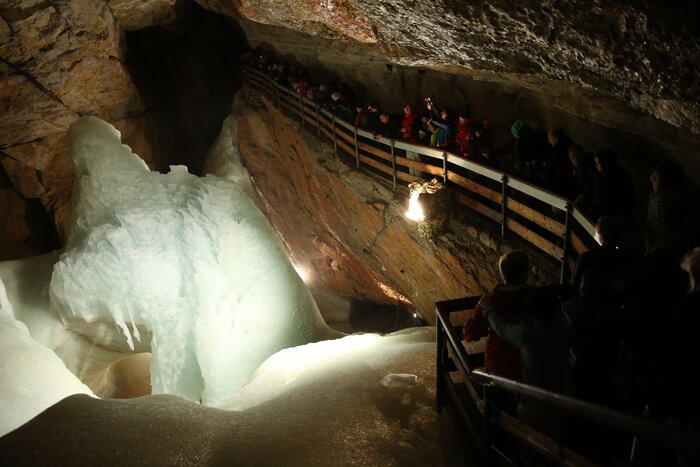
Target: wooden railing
[466,390]
[545,220]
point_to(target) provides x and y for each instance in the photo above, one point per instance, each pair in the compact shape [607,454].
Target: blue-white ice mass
[190,258]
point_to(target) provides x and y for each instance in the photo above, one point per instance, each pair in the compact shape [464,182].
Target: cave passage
[187,75]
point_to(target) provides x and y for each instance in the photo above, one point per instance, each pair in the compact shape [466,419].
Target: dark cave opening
[27,220]
[187,75]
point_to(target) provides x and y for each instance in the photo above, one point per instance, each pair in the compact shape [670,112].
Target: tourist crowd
[596,182]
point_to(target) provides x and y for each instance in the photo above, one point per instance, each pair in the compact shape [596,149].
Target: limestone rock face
[59,60]
[139,14]
[14,209]
[69,50]
[325,18]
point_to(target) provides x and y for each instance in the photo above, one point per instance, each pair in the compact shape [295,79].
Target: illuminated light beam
[303,273]
[415,211]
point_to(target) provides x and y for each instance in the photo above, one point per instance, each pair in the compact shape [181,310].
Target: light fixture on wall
[415,210]
[429,206]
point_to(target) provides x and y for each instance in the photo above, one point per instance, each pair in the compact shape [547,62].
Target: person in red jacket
[508,300]
[462,135]
[408,124]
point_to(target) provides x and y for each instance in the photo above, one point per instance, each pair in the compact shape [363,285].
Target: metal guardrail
[544,219]
[466,390]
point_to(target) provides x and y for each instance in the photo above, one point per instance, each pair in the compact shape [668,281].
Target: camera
[427,99]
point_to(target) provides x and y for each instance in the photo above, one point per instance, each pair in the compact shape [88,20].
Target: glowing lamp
[429,205]
[415,211]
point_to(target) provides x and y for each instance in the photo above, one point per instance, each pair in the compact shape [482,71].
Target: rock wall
[58,60]
[63,59]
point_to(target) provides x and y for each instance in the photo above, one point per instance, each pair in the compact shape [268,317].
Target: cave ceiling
[643,53]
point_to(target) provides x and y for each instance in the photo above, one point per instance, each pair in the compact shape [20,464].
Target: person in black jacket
[557,172]
[388,127]
[373,121]
[529,149]
[666,209]
[613,192]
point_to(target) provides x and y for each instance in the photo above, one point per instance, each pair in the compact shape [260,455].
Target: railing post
[564,275]
[289,101]
[301,107]
[444,167]
[279,98]
[357,148]
[335,137]
[318,121]
[504,203]
[486,421]
[440,367]
[393,162]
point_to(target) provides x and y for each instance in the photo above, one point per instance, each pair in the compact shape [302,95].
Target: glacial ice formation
[33,377]
[190,258]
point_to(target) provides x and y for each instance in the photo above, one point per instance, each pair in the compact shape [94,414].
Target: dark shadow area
[42,231]
[28,226]
[352,315]
[187,76]
[366,316]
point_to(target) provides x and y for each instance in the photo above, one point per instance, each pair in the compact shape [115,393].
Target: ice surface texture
[32,377]
[191,258]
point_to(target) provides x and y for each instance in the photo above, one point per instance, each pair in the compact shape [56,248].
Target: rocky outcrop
[349,229]
[139,14]
[326,19]
[58,60]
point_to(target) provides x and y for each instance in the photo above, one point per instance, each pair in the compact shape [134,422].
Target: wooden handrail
[671,437]
[450,348]
[354,144]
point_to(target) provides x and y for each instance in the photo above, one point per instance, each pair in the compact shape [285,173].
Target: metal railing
[546,220]
[467,390]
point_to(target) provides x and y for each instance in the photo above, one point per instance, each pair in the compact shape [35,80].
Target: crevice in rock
[385,224]
[38,85]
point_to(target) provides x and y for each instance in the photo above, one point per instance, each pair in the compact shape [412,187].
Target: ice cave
[198,268]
